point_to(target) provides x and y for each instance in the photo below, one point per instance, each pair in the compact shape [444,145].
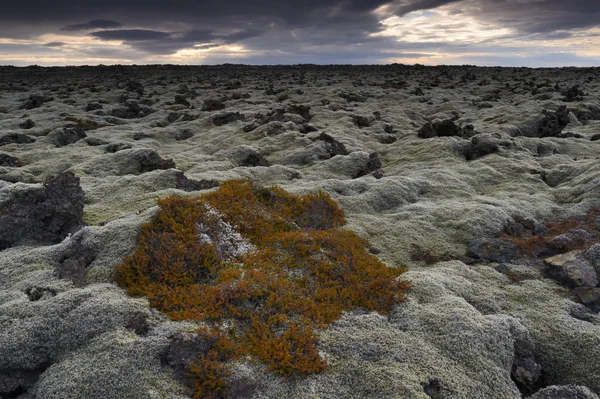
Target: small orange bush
[532,246]
[269,265]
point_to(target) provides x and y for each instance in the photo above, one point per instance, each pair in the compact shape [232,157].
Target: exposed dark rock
[93,107]
[149,160]
[386,138]
[184,349]
[589,296]
[114,147]
[595,137]
[35,101]
[299,109]
[18,138]
[37,293]
[572,270]
[224,119]
[140,135]
[185,184]
[525,370]
[9,160]
[306,128]
[434,389]
[333,146]
[16,382]
[481,145]
[212,105]
[132,111]
[373,165]
[138,323]
[586,115]
[136,87]
[67,135]
[354,97]
[361,121]
[549,124]
[492,250]
[95,141]
[42,214]
[545,149]
[573,94]
[440,129]
[28,124]
[184,134]
[427,131]
[181,100]
[576,237]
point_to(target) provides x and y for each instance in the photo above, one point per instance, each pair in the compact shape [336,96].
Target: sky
[533,33]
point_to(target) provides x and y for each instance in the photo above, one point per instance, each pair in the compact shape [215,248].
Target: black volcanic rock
[43,214]
[132,110]
[67,135]
[18,138]
[28,124]
[35,101]
[212,105]
[224,119]
[9,160]
[181,100]
[333,146]
[443,128]
[549,124]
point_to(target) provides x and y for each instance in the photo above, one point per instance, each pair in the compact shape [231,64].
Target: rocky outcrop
[41,214]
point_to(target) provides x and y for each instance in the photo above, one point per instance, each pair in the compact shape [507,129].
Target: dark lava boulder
[35,101]
[572,270]
[93,107]
[67,135]
[373,165]
[443,128]
[224,119]
[28,124]
[549,124]
[9,160]
[132,110]
[43,214]
[212,105]
[181,100]
[18,138]
[332,146]
[492,250]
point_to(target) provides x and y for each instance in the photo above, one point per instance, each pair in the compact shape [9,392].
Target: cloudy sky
[433,32]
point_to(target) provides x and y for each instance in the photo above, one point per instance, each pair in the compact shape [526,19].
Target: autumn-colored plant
[546,243]
[263,269]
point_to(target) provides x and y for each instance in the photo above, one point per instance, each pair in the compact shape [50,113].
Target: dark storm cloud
[93,24]
[159,42]
[130,35]
[315,29]
[54,44]
[403,7]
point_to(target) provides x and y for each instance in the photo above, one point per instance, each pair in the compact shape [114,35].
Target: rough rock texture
[493,250]
[68,135]
[41,213]
[572,270]
[496,328]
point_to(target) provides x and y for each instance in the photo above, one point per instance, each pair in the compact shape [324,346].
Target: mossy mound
[262,269]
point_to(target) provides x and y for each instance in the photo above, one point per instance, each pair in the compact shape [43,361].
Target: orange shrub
[270,265]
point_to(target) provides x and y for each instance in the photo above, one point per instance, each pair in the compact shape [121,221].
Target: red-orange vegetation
[530,245]
[262,268]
